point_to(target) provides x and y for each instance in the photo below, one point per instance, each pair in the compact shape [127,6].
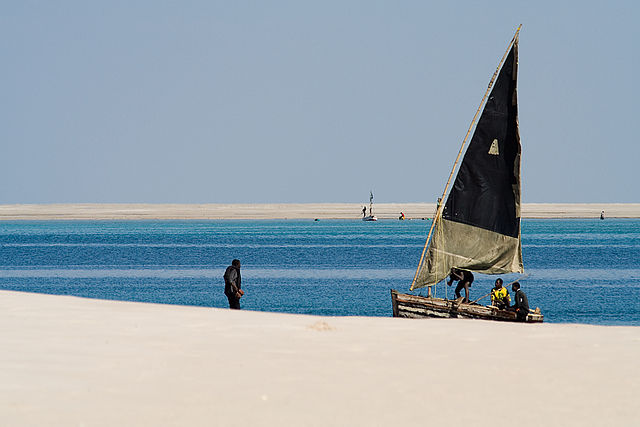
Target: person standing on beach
[521,306]
[464,278]
[364,211]
[233,284]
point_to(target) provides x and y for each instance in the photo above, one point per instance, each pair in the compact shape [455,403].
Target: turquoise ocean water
[580,271]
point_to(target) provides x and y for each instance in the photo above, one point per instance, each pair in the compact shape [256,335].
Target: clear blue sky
[296,101]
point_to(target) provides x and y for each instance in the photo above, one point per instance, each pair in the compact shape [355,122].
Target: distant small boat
[371,216]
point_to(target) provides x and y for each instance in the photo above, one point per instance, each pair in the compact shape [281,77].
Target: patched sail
[478,229]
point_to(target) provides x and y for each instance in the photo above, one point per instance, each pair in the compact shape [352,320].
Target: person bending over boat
[233,284]
[464,278]
[521,306]
[500,295]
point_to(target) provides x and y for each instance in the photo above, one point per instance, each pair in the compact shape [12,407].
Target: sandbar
[75,361]
[416,211]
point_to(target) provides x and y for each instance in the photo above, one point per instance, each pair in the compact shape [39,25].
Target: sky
[300,101]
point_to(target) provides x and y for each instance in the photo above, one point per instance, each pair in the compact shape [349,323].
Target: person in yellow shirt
[500,296]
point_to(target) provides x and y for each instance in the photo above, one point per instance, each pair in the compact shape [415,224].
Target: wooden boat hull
[414,306]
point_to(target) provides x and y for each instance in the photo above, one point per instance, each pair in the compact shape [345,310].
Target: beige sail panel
[455,244]
[494,149]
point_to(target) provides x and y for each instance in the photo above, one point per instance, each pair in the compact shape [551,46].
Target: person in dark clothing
[364,211]
[464,278]
[521,305]
[233,284]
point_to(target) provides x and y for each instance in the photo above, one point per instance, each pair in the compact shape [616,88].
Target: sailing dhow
[478,227]
[371,216]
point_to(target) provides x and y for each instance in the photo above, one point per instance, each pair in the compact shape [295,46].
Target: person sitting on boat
[464,278]
[500,295]
[521,306]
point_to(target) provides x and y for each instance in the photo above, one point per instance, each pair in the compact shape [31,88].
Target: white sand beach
[98,211]
[73,361]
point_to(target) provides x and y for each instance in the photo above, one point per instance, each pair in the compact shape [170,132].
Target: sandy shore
[289,211]
[72,361]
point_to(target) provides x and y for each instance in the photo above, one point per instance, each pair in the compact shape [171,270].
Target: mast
[441,202]
[371,202]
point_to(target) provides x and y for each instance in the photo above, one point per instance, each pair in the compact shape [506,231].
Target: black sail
[479,229]
[486,192]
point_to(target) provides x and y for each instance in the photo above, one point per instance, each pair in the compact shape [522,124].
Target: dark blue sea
[579,271]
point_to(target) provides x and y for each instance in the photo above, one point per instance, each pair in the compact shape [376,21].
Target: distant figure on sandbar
[364,211]
[602,215]
[233,284]
[521,306]
[500,295]
[464,278]
[401,216]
